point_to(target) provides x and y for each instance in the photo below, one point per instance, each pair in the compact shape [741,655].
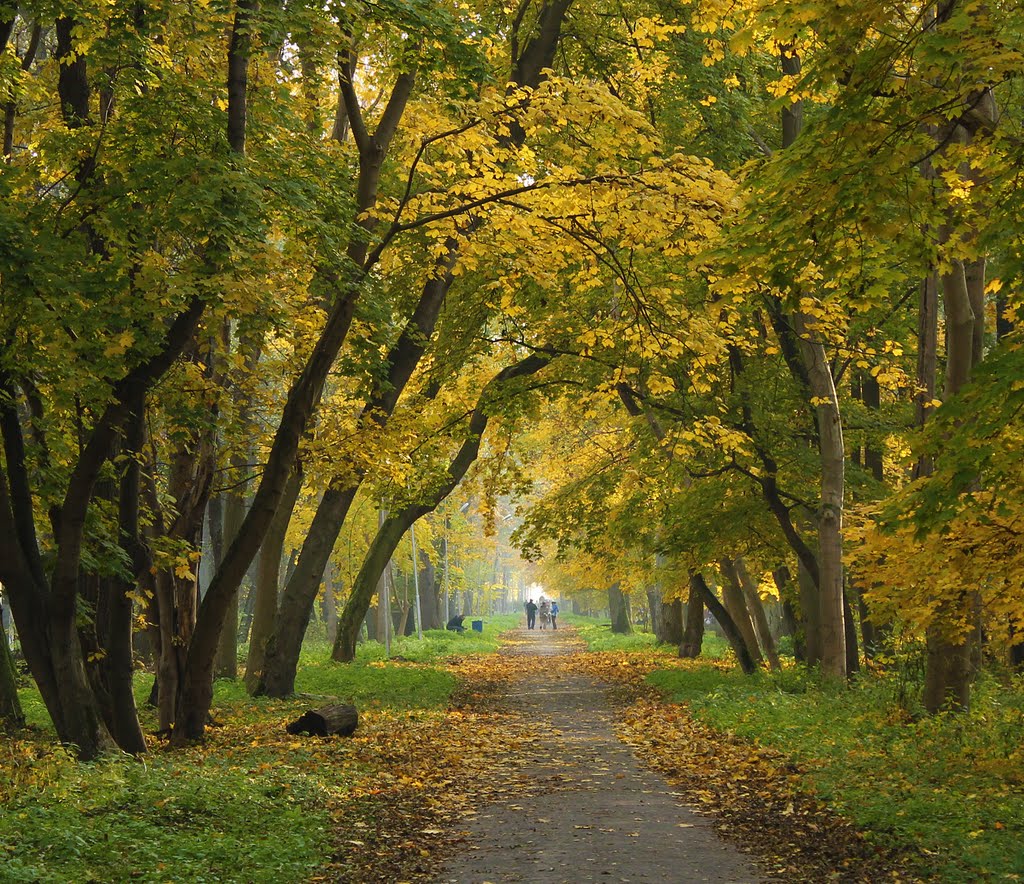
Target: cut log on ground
[341,719]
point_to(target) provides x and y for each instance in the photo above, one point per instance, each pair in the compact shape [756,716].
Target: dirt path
[588,811]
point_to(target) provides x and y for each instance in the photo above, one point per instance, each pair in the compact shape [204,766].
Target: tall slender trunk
[830,512]
[820,389]
[810,615]
[948,669]
[268,575]
[330,603]
[224,519]
[196,690]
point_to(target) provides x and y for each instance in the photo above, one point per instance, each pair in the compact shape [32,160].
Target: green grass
[253,807]
[438,644]
[598,636]
[168,819]
[952,787]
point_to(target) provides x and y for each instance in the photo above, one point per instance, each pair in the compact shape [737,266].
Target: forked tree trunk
[195,692]
[757,613]
[300,591]
[736,605]
[729,627]
[393,527]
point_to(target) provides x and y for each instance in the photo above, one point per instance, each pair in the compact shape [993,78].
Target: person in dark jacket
[531,614]
[455,624]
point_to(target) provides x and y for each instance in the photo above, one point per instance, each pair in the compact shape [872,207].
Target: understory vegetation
[256,804]
[252,804]
[949,788]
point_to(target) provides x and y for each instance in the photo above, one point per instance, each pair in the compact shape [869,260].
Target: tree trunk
[285,644]
[429,609]
[330,603]
[118,665]
[268,573]
[666,617]
[693,634]
[927,360]
[729,627]
[830,512]
[11,716]
[371,575]
[618,606]
[810,613]
[395,526]
[223,531]
[852,656]
[736,605]
[757,613]
[196,689]
[948,664]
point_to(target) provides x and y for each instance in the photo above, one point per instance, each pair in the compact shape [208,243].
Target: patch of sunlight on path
[595,813]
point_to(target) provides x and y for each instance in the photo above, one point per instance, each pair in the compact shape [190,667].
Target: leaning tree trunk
[756,608]
[395,525]
[729,627]
[370,576]
[736,605]
[195,692]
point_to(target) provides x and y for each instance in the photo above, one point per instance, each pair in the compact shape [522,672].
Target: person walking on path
[531,614]
[545,613]
[554,615]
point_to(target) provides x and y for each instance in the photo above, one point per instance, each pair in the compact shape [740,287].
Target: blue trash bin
[478,626]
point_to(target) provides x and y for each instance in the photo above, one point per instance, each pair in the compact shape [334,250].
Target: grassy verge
[598,636]
[253,804]
[951,788]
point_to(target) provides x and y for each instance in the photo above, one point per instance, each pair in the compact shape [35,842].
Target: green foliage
[949,785]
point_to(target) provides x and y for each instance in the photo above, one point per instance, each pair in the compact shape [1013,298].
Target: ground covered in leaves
[484,750]
[437,740]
